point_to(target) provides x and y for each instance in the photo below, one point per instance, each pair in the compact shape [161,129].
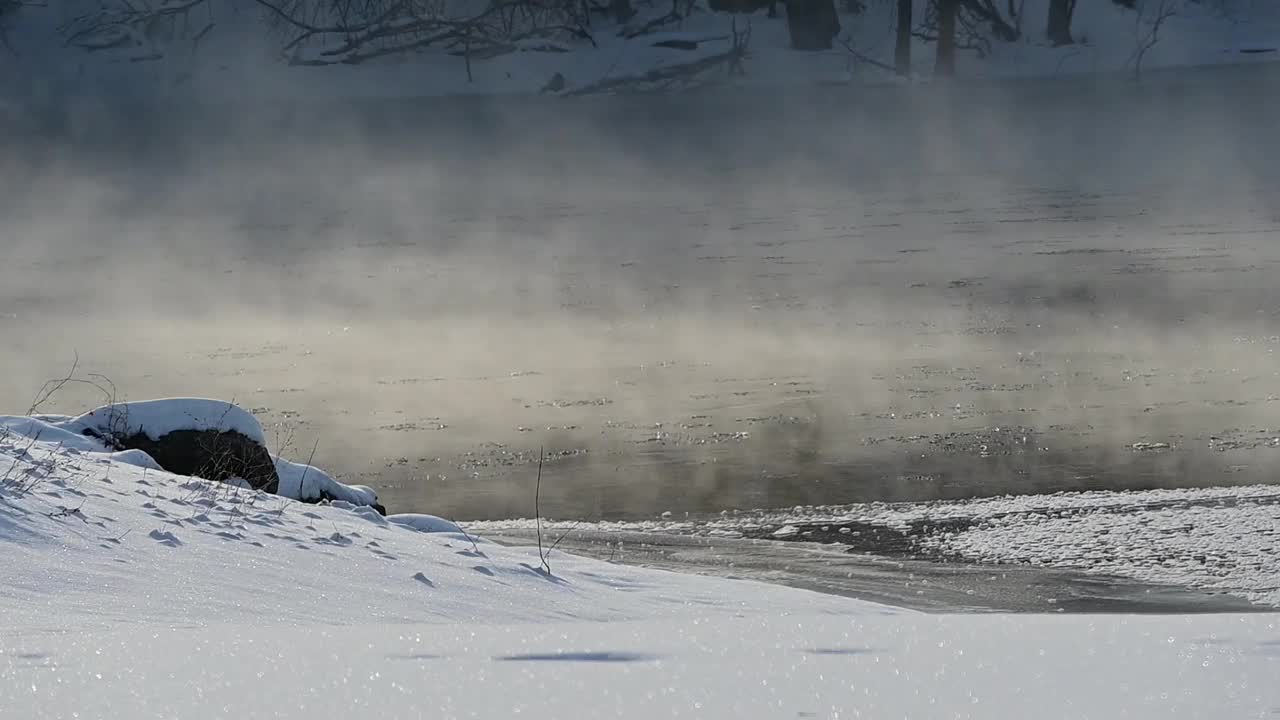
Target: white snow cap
[37,429]
[299,481]
[158,418]
[424,523]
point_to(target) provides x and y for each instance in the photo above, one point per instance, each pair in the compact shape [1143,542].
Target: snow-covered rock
[212,439]
[38,429]
[157,418]
[310,484]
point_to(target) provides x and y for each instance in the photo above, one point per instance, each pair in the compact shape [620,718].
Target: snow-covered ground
[1215,539]
[87,531]
[128,592]
[97,432]
[240,59]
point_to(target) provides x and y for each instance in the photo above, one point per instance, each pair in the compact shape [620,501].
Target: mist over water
[692,302]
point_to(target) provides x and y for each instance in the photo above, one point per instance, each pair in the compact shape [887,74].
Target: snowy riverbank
[133,593]
[1213,540]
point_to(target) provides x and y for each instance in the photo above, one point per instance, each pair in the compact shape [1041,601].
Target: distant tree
[1016,13]
[329,32]
[962,25]
[1150,18]
[621,10]
[9,9]
[812,24]
[976,13]
[902,46]
[1059,26]
[947,14]
[142,31]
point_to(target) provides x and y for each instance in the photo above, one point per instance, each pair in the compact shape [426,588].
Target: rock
[312,485]
[555,84]
[209,454]
[214,440]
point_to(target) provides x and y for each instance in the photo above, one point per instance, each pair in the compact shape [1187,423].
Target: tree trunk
[1059,29]
[902,50]
[813,24]
[945,65]
[621,10]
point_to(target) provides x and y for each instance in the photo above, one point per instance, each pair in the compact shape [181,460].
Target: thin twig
[52,386]
[474,547]
[302,478]
[537,511]
[866,59]
[565,534]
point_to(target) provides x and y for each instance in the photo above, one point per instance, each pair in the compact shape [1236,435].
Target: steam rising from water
[691,302]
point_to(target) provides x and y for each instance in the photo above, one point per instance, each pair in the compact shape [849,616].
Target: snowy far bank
[133,593]
[228,50]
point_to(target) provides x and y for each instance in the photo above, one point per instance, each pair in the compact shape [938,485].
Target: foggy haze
[693,302]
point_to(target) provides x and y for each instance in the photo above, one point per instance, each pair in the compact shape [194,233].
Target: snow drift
[134,433]
[128,592]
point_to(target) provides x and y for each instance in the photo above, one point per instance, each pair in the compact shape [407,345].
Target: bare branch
[338,34]
[732,59]
[1151,16]
[537,511]
[52,386]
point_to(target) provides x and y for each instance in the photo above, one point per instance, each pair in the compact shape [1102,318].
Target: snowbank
[1217,539]
[57,432]
[425,523]
[137,594]
[206,553]
[311,484]
[91,431]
